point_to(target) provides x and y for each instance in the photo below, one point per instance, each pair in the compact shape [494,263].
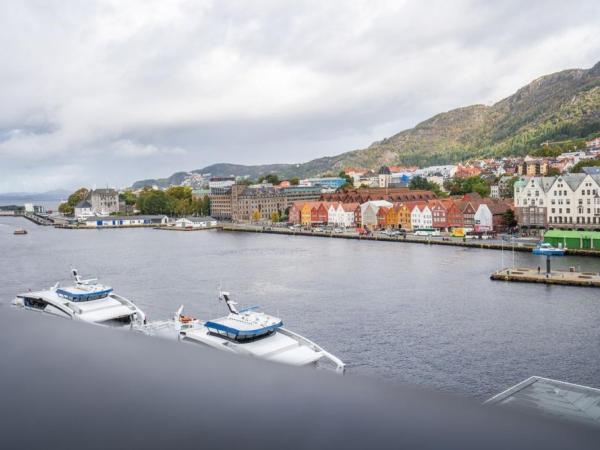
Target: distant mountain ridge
[58,194]
[558,106]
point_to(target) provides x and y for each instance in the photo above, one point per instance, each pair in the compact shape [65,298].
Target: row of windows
[580,220]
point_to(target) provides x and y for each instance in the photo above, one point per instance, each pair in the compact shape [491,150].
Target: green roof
[571,234]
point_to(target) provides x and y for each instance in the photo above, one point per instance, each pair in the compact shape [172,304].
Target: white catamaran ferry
[247,332]
[86,300]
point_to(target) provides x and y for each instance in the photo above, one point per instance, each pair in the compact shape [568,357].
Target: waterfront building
[319,213]
[104,201]
[382,217]
[468,209]
[220,202]
[342,215]
[196,222]
[420,215]
[125,221]
[403,216]
[351,214]
[454,215]
[483,221]
[83,210]
[439,216]
[391,218]
[242,203]
[573,239]
[570,201]
[306,214]
[369,210]
[530,201]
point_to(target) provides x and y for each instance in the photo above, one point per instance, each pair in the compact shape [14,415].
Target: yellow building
[305,213]
[404,219]
[391,218]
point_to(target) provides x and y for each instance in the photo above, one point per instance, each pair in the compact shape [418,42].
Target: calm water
[401,312]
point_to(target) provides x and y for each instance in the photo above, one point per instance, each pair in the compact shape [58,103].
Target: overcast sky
[108,92]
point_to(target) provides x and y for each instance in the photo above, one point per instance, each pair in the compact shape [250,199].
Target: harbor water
[405,313]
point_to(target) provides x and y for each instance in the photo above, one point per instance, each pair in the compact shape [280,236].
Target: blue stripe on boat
[236,332]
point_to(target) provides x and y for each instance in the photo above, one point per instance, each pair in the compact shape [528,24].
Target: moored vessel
[20,231]
[247,332]
[544,248]
[85,300]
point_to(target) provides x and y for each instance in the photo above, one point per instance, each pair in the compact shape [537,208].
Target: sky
[103,93]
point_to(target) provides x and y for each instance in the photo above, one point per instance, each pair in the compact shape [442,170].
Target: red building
[439,218]
[382,217]
[454,215]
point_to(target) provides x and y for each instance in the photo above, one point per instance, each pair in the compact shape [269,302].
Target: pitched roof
[574,179]
[349,207]
[83,204]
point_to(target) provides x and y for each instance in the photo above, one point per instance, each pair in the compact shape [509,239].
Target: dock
[560,277]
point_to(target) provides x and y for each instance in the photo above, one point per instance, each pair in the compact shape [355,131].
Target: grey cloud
[108,92]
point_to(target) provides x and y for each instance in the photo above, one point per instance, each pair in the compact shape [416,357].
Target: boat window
[34,303]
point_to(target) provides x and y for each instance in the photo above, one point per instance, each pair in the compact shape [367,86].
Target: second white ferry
[246,332]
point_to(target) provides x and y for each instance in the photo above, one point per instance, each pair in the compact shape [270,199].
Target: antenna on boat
[230,303]
[76,275]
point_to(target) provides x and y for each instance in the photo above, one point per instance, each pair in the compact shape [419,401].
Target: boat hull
[553,252]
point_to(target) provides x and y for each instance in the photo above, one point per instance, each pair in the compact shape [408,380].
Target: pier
[560,277]
[35,218]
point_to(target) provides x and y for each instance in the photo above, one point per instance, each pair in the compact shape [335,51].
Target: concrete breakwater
[561,277]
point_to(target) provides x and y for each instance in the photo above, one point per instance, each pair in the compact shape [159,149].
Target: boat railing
[340,367]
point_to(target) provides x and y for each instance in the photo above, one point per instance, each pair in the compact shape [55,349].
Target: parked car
[338,230]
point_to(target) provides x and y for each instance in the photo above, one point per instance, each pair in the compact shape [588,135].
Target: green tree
[206,206]
[179,193]
[270,178]
[461,186]
[510,188]
[68,207]
[421,183]
[154,202]
[509,218]
[128,197]
[578,168]
[295,181]
[349,184]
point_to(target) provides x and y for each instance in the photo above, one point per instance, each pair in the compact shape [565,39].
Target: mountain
[58,194]
[563,105]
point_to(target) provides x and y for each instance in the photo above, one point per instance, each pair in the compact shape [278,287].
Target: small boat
[544,248]
[20,231]
[86,300]
[247,332]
